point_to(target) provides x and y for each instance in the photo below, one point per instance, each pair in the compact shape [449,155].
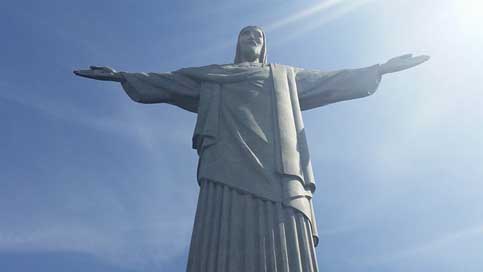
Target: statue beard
[251,53]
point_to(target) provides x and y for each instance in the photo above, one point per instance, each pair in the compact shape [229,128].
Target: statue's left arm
[316,88]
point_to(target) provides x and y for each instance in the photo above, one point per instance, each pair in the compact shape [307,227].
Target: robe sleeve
[171,88]
[316,88]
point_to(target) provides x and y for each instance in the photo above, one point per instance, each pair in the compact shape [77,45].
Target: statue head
[251,45]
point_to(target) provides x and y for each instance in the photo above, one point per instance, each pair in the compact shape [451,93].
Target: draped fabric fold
[286,157]
[246,233]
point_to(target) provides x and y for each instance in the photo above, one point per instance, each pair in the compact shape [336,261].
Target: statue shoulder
[285,67]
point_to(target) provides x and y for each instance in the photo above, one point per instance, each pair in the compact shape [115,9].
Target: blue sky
[91,181]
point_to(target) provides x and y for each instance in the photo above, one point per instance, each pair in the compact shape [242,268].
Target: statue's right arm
[100,73]
[148,88]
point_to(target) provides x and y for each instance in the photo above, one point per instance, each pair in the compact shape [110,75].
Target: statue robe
[254,158]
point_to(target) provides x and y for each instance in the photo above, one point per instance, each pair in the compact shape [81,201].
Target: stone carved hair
[263,53]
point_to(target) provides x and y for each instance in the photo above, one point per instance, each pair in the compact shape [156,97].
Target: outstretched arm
[316,88]
[401,63]
[100,73]
[172,88]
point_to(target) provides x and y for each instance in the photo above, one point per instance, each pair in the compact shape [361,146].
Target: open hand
[99,73]
[402,63]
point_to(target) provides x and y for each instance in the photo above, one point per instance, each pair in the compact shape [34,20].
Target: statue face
[251,43]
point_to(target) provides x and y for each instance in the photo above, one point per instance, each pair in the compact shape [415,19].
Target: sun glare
[468,17]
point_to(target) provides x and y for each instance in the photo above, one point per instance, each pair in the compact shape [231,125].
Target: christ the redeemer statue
[255,208]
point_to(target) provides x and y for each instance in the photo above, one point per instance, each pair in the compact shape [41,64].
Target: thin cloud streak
[303,14]
[151,244]
[132,124]
[115,247]
[332,11]
[428,247]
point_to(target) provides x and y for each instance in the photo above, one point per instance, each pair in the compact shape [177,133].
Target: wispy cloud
[130,247]
[131,242]
[303,14]
[314,17]
[306,20]
[130,122]
[429,247]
